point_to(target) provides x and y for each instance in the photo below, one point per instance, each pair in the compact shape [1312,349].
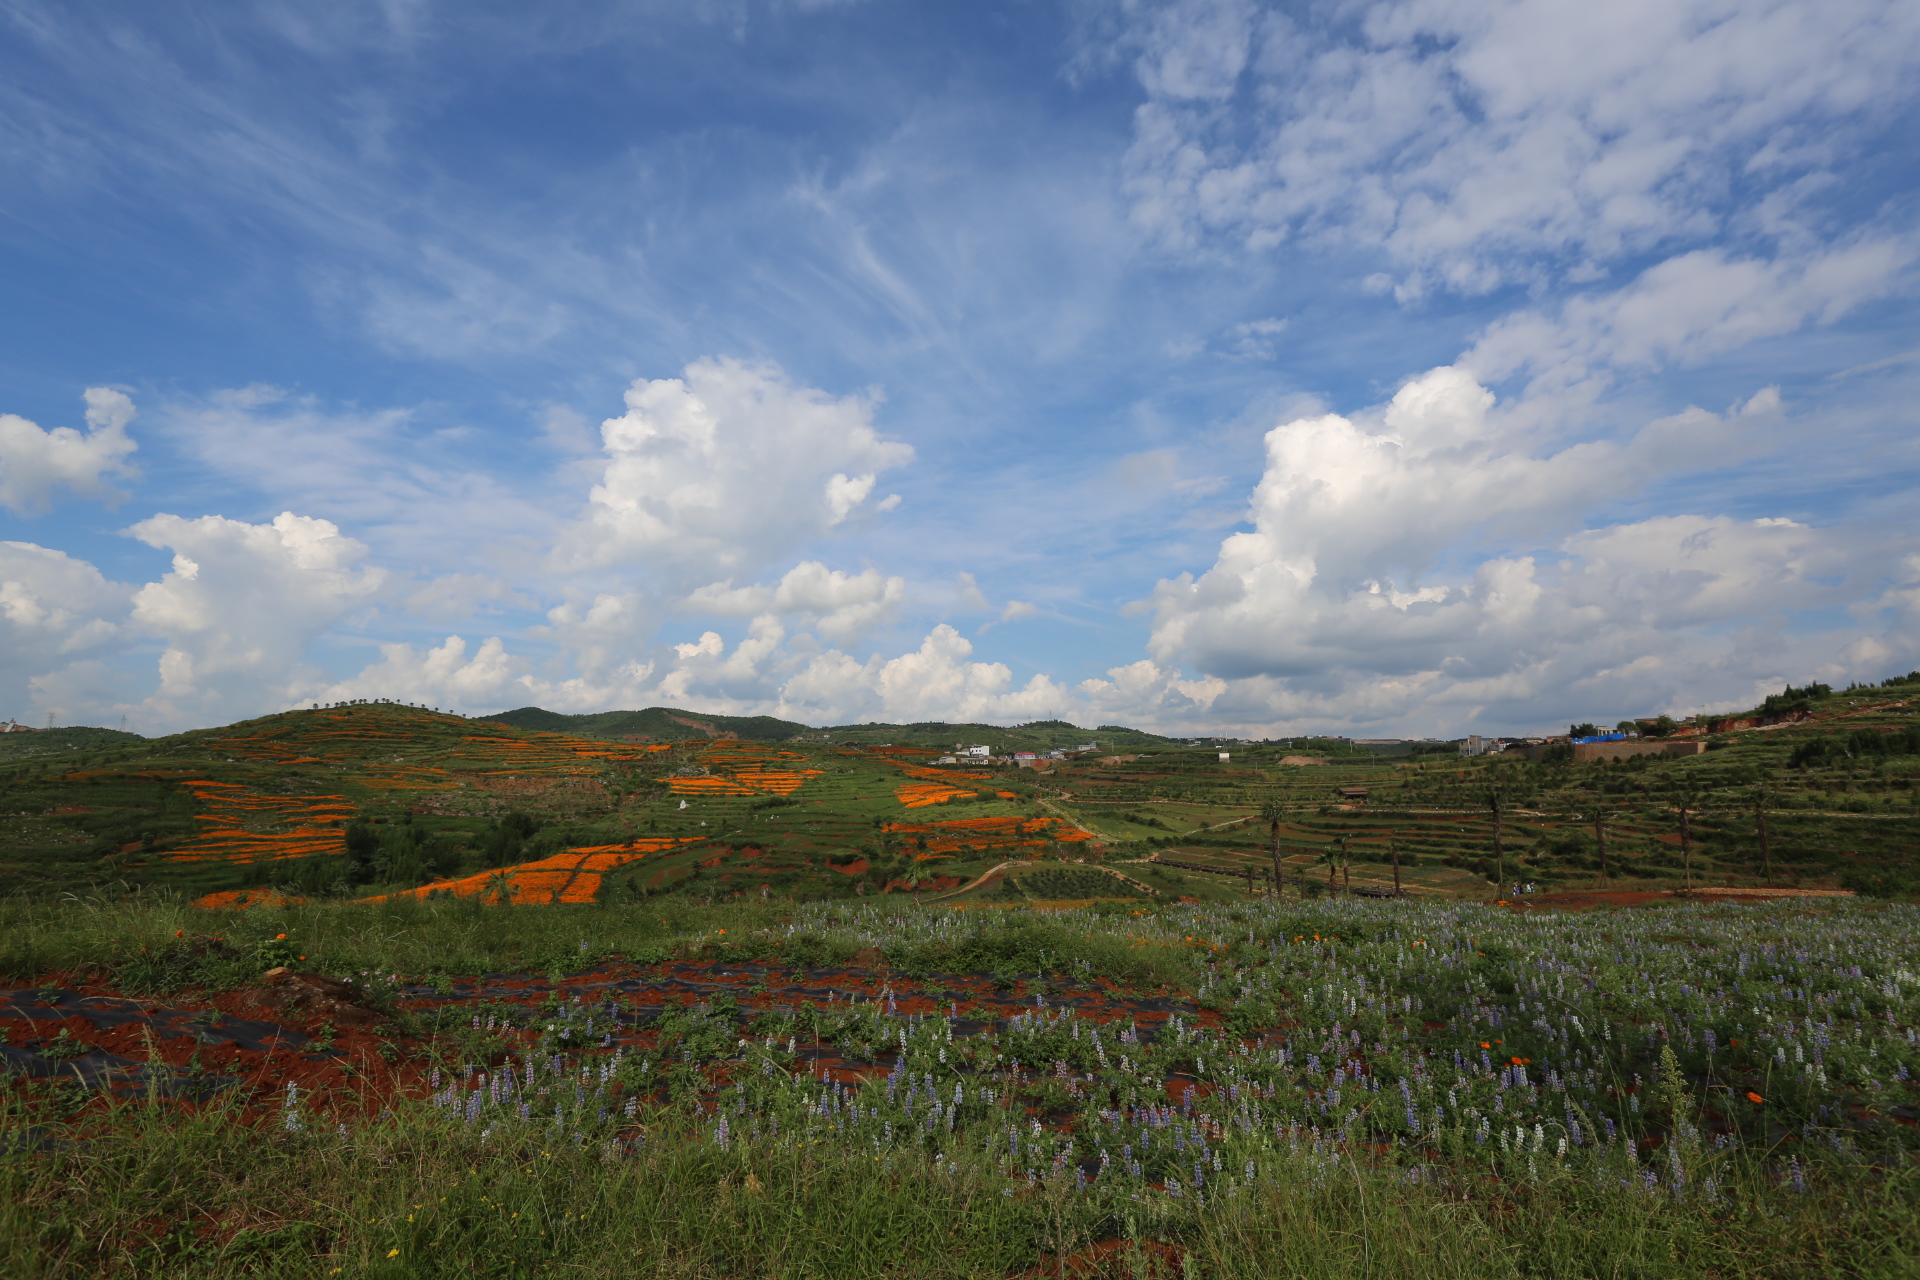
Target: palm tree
[1272,813]
[497,888]
[1760,798]
[1686,799]
[1495,797]
[1600,835]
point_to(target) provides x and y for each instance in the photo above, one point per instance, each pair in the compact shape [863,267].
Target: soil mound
[314,995]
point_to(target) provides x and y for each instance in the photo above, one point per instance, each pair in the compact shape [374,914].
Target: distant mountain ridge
[660,724]
[670,724]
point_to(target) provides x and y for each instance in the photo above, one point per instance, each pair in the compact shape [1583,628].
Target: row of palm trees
[1686,800]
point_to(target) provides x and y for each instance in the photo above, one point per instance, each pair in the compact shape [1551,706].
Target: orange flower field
[551,751]
[570,877]
[233,810]
[240,899]
[942,775]
[918,795]
[745,769]
[710,786]
[992,833]
[410,778]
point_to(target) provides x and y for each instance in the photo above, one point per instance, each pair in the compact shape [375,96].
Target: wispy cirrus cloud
[1413,365]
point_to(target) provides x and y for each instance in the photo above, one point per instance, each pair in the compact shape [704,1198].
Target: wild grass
[150,1192]
[157,941]
[1393,1089]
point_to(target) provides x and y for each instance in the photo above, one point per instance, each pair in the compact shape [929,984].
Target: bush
[1879,882]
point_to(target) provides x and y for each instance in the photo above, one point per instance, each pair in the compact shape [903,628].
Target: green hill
[1038,735]
[366,798]
[655,724]
[669,724]
[44,742]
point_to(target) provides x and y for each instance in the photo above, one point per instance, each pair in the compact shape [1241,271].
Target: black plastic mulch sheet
[22,1054]
[624,998]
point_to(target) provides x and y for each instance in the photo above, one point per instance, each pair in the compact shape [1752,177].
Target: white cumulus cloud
[55,611]
[443,675]
[840,606]
[1335,603]
[934,682]
[722,472]
[242,604]
[35,462]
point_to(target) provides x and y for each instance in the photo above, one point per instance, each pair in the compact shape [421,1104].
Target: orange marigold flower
[1485,1044]
[1754,1097]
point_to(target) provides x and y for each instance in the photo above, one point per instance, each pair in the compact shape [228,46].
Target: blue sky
[1386,369]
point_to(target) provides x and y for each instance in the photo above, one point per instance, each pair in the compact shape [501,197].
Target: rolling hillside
[381,799]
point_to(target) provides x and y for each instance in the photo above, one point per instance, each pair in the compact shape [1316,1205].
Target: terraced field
[370,800]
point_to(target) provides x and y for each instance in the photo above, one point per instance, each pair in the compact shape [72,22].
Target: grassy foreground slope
[1343,1088]
[736,1008]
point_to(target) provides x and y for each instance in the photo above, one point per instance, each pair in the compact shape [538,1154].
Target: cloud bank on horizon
[1398,368]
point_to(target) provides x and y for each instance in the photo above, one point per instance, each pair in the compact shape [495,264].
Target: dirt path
[1007,866]
[978,880]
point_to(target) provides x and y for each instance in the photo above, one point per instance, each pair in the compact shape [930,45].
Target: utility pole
[1394,849]
[1760,818]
